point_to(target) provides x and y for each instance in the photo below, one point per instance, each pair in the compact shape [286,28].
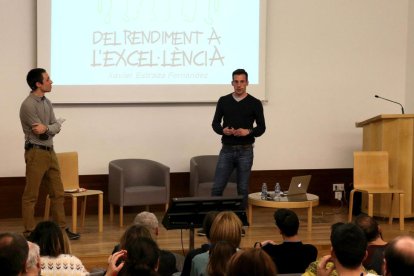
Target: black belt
[248,146]
[34,146]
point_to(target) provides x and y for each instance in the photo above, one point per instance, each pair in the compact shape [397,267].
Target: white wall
[326,60]
[409,102]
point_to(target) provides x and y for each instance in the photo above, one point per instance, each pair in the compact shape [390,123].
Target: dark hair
[399,258]
[240,72]
[34,76]
[349,244]
[251,262]
[208,221]
[287,221]
[220,253]
[13,253]
[133,232]
[49,237]
[369,226]
[142,257]
[168,263]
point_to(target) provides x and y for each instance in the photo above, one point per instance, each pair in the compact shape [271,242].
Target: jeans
[238,157]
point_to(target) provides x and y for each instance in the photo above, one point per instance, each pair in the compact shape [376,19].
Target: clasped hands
[236,132]
[39,128]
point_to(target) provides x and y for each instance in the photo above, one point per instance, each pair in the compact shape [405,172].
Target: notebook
[298,185]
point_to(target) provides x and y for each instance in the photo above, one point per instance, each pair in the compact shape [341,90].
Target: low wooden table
[290,202]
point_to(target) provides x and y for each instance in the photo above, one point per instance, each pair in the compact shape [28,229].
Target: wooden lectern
[395,134]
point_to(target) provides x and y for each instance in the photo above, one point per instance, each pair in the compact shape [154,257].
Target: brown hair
[220,254]
[251,262]
[132,233]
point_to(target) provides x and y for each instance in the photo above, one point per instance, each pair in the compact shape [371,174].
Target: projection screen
[150,51]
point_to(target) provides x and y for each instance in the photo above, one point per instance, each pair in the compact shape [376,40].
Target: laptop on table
[298,185]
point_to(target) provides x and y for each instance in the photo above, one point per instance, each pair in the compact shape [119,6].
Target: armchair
[202,170]
[136,182]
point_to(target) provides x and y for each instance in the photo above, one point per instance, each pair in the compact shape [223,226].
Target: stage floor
[93,247]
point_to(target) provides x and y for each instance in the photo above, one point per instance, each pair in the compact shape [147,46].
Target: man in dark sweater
[291,256]
[376,245]
[234,118]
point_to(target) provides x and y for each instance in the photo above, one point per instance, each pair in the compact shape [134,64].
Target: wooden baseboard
[321,184]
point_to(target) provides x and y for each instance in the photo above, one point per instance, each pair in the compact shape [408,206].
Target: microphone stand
[402,108]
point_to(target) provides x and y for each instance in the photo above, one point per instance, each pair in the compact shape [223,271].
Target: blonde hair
[226,227]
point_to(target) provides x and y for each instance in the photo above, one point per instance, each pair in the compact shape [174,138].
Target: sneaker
[243,233]
[201,232]
[71,235]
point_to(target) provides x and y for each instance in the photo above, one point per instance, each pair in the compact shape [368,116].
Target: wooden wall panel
[11,188]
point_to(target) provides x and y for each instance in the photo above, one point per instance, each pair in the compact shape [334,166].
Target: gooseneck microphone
[402,108]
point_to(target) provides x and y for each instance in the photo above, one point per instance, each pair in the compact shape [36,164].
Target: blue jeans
[238,157]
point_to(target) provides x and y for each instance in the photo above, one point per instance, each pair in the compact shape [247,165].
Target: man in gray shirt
[39,127]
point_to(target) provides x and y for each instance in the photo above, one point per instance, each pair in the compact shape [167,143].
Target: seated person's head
[399,256]
[148,220]
[208,221]
[287,221]
[49,237]
[226,227]
[33,260]
[219,255]
[251,262]
[142,257]
[13,253]
[133,232]
[369,225]
[349,245]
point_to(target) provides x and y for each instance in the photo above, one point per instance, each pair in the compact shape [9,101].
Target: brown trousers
[42,168]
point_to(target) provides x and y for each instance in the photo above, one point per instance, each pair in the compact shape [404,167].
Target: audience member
[399,257]
[132,232]
[291,256]
[141,257]
[226,227]
[376,245]
[251,262]
[349,248]
[150,221]
[54,257]
[167,265]
[207,222]
[13,254]
[33,260]
[220,254]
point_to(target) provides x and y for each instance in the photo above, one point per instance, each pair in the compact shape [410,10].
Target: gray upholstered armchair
[202,170]
[136,182]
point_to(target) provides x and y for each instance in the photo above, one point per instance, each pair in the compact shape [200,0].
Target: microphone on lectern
[402,108]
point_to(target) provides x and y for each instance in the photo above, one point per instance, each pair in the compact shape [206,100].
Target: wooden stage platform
[93,248]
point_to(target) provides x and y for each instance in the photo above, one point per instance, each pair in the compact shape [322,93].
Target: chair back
[371,169]
[141,172]
[68,163]
[206,165]
[207,168]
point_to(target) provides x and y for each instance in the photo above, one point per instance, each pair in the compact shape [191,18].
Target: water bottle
[277,190]
[263,195]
